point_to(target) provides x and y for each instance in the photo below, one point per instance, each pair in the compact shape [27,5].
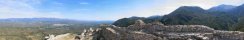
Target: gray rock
[158,31]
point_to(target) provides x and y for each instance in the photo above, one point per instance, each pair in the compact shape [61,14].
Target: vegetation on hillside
[38,28]
[192,15]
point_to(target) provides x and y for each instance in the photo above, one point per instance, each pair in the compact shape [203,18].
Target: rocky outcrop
[158,31]
[67,36]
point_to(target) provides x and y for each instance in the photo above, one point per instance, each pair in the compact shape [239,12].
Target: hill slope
[217,18]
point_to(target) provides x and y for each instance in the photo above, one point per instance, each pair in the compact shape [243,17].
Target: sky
[99,9]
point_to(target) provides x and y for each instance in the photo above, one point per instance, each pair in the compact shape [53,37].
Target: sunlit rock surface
[67,36]
[157,31]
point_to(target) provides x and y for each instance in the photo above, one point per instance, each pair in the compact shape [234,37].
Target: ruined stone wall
[158,31]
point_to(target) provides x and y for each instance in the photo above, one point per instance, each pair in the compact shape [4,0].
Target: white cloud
[83,3]
[26,9]
[23,9]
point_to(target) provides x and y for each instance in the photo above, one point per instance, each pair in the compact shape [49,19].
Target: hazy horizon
[99,9]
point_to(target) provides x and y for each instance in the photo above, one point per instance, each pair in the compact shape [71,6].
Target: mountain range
[222,7]
[222,17]
[43,22]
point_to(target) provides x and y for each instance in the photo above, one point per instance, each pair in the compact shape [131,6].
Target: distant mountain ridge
[222,7]
[36,22]
[238,11]
[189,9]
[222,17]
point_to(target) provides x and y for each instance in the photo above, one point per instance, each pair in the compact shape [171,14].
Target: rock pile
[158,31]
[67,36]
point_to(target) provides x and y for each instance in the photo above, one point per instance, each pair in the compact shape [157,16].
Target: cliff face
[158,31]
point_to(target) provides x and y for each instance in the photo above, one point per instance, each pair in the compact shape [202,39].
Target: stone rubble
[67,36]
[158,31]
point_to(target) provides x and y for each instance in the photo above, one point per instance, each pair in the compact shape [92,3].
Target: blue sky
[99,9]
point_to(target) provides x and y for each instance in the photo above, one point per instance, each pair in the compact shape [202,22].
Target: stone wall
[158,31]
